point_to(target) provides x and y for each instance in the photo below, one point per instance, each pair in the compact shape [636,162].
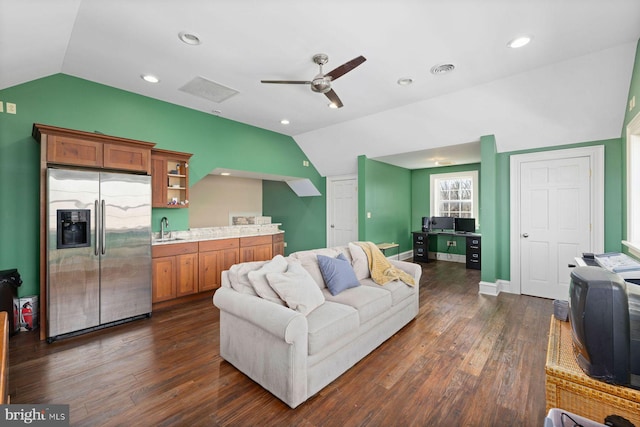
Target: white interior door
[555,223]
[342,211]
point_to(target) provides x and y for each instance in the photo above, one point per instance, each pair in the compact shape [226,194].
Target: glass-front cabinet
[170,179]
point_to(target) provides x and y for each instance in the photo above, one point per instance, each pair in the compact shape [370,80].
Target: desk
[384,247]
[472,247]
[568,388]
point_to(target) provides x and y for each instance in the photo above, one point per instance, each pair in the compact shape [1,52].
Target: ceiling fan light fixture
[332,106]
[189,38]
[442,69]
[149,78]
[405,81]
[519,42]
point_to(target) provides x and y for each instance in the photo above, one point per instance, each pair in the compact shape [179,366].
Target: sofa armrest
[411,268]
[278,320]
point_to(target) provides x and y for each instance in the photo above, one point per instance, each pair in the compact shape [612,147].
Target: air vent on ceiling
[208,89]
[442,68]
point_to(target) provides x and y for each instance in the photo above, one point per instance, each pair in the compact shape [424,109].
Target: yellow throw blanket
[382,272]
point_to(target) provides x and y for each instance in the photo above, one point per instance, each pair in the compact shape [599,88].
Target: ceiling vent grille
[208,89]
[442,69]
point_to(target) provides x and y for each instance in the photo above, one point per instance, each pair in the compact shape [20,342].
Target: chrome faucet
[164,222]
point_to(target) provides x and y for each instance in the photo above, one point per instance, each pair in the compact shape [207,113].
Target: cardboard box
[28,313]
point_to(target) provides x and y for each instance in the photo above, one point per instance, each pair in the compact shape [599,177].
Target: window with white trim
[455,194]
[633,186]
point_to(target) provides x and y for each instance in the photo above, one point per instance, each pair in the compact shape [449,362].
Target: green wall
[634,91]
[385,191]
[421,190]
[69,102]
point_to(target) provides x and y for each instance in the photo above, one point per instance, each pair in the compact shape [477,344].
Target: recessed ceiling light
[519,42]
[405,81]
[284,121]
[189,38]
[150,78]
[442,68]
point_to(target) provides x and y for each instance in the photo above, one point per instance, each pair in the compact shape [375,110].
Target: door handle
[525,235]
[97,226]
[103,228]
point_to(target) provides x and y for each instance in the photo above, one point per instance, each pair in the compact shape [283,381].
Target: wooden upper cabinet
[125,157]
[74,151]
[78,148]
[169,179]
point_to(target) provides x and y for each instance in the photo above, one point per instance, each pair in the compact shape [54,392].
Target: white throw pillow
[238,276]
[360,262]
[297,288]
[259,281]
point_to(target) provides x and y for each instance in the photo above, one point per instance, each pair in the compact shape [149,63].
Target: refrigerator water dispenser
[74,228]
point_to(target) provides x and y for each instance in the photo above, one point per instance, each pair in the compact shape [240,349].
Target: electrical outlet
[368,214]
[451,243]
[11,108]
[305,163]
[1,106]
[285,244]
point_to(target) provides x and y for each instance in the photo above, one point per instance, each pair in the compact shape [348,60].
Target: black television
[442,223]
[464,225]
[604,312]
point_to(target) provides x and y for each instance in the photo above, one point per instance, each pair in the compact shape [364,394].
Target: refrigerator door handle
[97,226]
[103,227]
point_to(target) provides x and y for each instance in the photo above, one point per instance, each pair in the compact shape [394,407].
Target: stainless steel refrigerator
[99,249]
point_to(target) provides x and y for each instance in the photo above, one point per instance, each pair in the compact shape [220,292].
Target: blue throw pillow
[337,273]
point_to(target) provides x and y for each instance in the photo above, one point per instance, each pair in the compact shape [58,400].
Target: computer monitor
[442,223]
[465,225]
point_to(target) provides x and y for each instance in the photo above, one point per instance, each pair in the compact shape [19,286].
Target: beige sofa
[294,355]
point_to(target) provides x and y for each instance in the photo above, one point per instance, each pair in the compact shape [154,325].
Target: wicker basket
[568,388]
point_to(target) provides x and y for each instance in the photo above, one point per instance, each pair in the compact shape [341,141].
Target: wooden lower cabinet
[278,244]
[214,257]
[187,274]
[164,278]
[174,270]
[256,248]
[181,269]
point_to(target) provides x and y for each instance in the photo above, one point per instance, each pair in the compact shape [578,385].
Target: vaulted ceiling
[569,84]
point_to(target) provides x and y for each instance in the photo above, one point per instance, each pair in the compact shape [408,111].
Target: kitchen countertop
[216,233]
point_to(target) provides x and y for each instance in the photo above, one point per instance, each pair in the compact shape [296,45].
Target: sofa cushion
[258,278]
[239,276]
[337,273]
[399,290]
[369,301]
[309,260]
[297,288]
[360,262]
[328,323]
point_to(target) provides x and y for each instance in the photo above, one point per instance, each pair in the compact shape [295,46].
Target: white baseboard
[407,255]
[493,289]
[444,256]
[487,288]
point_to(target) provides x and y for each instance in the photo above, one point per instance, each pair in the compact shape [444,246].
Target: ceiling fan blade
[333,97]
[346,67]
[287,82]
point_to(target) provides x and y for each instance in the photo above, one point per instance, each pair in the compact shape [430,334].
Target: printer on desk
[620,264]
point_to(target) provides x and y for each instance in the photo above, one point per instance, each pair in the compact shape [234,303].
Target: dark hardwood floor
[466,360]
